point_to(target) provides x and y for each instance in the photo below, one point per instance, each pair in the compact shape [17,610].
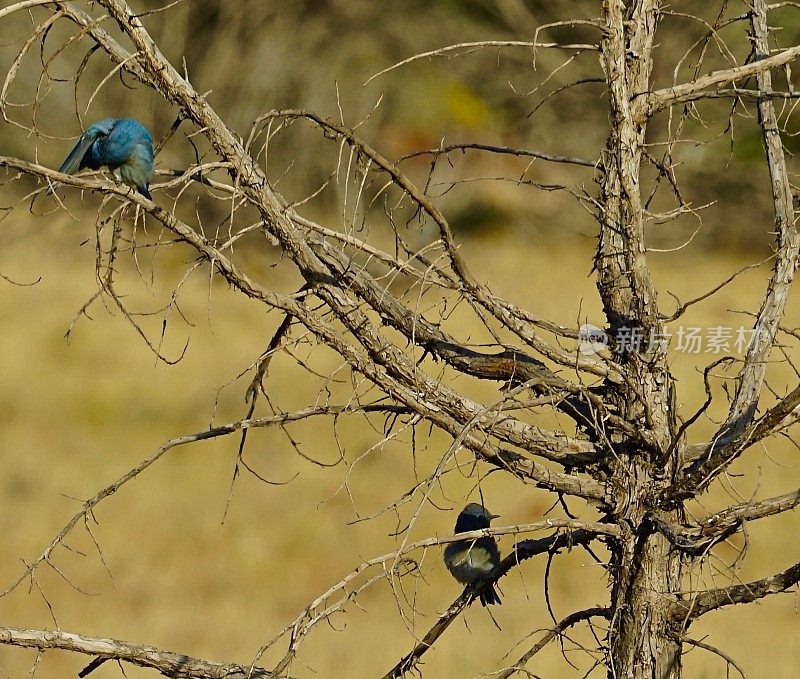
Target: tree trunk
[643,568]
[643,641]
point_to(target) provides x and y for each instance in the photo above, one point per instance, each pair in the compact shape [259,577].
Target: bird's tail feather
[489,596]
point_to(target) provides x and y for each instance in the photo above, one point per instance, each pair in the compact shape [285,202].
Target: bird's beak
[493,516]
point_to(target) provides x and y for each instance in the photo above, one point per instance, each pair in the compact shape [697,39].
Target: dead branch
[467,47]
[713,649]
[166,662]
[502,150]
[724,447]
[224,430]
[645,104]
[571,620]
[704,602]
[697,538]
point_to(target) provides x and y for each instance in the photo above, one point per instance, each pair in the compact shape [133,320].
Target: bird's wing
[72,163]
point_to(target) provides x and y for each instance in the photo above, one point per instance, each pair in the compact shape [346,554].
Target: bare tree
[380,300]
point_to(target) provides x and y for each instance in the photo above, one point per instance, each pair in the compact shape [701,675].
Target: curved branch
[166,662]
[23,4]
[571,620]
[715,651]
[505,150]
[471,46]
[751,511]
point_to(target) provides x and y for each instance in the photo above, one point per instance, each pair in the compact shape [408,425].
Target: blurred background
[78,414]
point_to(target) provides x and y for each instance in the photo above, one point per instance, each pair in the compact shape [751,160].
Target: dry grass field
[77,415]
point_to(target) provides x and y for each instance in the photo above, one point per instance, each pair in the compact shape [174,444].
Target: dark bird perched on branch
[123,145]
[468,560]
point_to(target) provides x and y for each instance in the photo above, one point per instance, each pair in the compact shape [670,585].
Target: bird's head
[474,517]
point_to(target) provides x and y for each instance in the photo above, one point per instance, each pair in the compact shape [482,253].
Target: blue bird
[469,560]
[122,144]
